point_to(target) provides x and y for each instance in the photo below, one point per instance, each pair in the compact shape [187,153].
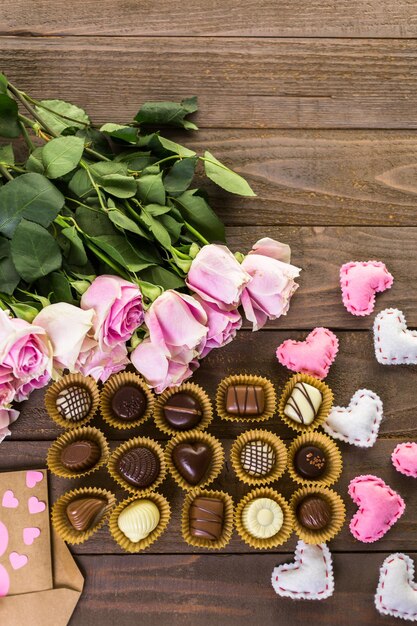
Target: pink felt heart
[9,501]
[29,535]
[4,538]
[404,458]
[360,281]
[33,477]
[35,505]
[379,508]
[313,356]
[17,560]
[4,582]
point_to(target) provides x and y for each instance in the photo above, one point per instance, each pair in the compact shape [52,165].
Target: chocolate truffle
[303,404]
[129,403]
[80,455]
[140,467]
[138,520]
[206,518]
[314,512]
[192,460]
[245,400]
[74,403]
[310,462]
[83,513]
[262,518]
[257,458]
[183,411]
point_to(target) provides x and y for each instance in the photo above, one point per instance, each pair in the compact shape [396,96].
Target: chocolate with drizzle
[245,400]
[206,518]
[293,403]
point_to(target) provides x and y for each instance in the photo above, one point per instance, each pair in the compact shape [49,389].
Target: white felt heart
[394,343]
[309,577]
[396,593]
[357,423]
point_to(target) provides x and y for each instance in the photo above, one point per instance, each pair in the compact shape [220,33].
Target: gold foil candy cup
[337,520]
[215,467]
[61,522]
[265,436]
[189,388]
[85,433]
[137,442]
[246,379]
[284,532]
[124,542]
[322,413]
[71,380]
[116,382]
[227,531]
[334,463]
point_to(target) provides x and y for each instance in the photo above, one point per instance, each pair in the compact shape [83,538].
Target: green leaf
[225,177]
[162,277]
[137,161]
[151,188]
[168,113]
[156,209]
[120,250]
[94,222]
[120,219]
[118,185]
[7,155]
[9,125]
[125,133]
[52,110]
[29,196]
[157,229]
[3,83]
[60,288]
[77,254]
[195,210]
[171,146]
[35,252]
[172,226]
[34,162]
[62,155]
[9,278]
[180,175]
[24,310]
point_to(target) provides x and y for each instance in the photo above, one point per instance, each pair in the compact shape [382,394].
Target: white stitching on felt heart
[313,564]
[346,285]
[396,576]
[346,431]
[394,343]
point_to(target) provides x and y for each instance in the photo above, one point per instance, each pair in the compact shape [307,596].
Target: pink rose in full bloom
[177,327]
[222,326]
[7,417]
[24,390]
[274,249]
[268,294]
[216,276]
[98,363]
[118,310]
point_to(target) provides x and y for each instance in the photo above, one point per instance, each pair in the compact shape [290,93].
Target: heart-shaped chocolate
[192,460]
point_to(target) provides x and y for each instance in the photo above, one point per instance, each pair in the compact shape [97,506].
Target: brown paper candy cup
[227,531]
[334,463]
[123,541]
[136,442]
[86,433]
[323,411]
[114,383]
[266,437]
[76,380]
[246,379]
[270,542]
[215,467]
[338,514]
[59,517]
[193,390]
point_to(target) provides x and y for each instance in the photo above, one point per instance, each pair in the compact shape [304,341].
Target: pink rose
[222,326]
[7,417]
[23,391]
[118,310]
[98,363]
[268,294]
[216,276]
[274,249]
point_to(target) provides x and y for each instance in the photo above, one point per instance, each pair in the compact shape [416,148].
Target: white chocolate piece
[303,403]
[262,518]
[257,458]
[138,520]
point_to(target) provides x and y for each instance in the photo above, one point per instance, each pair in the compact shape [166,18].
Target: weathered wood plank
[245,83]
[215,18]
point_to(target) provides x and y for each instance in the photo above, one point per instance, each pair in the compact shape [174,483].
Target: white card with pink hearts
[25,544]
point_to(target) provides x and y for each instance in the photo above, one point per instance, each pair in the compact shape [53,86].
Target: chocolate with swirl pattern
[139,466]
[206,518]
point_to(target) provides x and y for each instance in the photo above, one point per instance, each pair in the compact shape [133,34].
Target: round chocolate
[80,455]
[129,403]
[314,512]
[310,462]
[140,467]
[74,402]
[183,411]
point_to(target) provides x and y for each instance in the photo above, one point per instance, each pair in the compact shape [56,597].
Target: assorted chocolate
[314,512]
[192,460]
[74,402]
[129,403]
[310,462]
[139,519]
[262,518]
[85,512]
[206,517]
[257,458]
[139,466]
[182,411]
[79,456]
[245,400]
[303,403]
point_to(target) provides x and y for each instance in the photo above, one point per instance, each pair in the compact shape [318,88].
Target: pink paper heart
[4,538]
[35,505]
[17,560]
[312,356]
[379,508]
[30,534]
[33,477]
[404,458]
[4,582]
[360,281]
[9,501]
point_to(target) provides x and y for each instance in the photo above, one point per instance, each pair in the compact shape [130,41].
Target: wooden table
[315,103]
